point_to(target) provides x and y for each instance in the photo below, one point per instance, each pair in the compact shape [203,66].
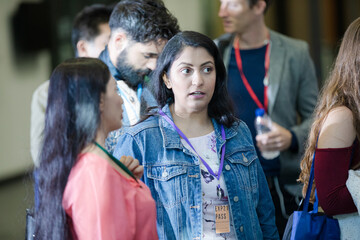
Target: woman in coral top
[85,193]
[337,128]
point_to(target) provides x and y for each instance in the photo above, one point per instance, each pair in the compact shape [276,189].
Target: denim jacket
[172,173]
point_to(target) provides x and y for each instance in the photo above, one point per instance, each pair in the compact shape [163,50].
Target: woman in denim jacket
[199,160]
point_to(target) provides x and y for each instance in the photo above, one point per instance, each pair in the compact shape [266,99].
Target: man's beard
[133,77]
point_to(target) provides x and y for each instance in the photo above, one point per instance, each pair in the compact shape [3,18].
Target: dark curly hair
[144,20]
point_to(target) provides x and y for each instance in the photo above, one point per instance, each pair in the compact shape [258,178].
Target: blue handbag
[312,224]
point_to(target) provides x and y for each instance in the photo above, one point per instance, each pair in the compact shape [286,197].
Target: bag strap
[308,191]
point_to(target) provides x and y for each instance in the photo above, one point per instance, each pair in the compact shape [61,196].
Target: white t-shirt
[131,102]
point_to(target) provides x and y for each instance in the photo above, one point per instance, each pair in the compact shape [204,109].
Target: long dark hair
[71,122]
[342,88]
[220,107]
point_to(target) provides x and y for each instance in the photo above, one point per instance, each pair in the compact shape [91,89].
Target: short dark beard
[131,76]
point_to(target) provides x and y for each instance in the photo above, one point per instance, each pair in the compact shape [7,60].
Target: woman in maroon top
[337,128]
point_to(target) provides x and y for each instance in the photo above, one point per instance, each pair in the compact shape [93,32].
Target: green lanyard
[117,162]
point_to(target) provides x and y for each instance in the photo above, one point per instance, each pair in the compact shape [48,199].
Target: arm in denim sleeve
[265,208]
[127,146]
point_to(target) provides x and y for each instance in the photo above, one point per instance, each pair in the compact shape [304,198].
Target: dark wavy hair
[144,20]
[220,106]
[71,122]
[86,23]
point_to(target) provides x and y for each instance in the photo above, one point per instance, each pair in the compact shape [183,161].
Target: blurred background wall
[19,76]
[35,37]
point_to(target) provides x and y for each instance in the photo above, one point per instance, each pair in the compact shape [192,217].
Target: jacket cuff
[294,146]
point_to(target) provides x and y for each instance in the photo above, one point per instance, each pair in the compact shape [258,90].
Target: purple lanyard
[187,140]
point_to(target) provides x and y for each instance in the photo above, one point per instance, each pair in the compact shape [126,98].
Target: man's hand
[133,165]
[279,139]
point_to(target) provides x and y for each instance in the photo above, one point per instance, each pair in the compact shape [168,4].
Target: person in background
[85,193]
[271,71]
[335,136]
[139,31]
[199,160]
[91,31]
[89,36]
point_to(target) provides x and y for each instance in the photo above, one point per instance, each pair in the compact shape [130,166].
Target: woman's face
[111,107]
[192,79]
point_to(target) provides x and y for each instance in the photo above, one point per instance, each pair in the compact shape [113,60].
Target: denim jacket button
[236,199]
[227,167]
[244,158]
[241,229]
[164,174]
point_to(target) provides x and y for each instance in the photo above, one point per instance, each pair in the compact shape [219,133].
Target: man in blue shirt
[271,71]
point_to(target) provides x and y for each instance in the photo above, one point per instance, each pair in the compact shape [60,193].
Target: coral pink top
[103,204]
[331,172]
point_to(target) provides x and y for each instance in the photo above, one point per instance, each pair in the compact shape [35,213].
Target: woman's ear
[166,81]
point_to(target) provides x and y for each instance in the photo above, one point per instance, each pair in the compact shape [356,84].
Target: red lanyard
[244,79]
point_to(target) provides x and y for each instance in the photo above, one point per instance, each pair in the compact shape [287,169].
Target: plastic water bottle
[263,125]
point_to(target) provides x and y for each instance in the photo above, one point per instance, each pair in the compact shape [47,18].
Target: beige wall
[188,13]
[18,79]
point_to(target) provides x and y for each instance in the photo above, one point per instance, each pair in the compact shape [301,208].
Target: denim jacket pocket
[242,156]
[170,183]
[242,171]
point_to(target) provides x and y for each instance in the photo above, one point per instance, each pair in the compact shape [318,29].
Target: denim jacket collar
[104,56]
[172,138]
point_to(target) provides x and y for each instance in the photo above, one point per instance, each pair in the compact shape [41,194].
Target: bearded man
[139,32]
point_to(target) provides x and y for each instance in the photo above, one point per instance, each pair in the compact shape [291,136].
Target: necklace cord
[117,162]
